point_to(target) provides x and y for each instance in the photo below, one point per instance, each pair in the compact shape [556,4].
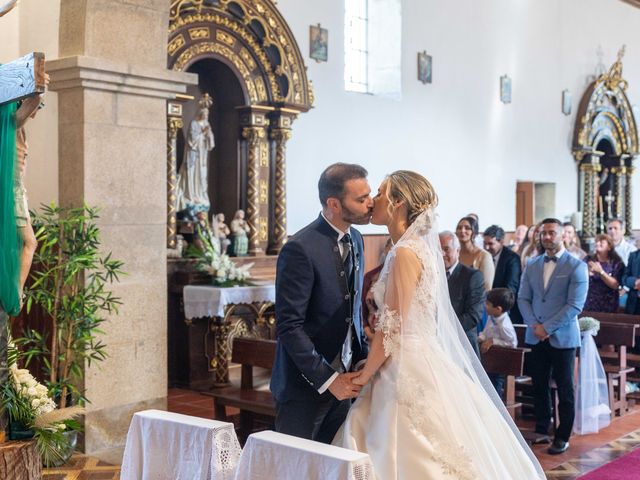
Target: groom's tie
[347,261]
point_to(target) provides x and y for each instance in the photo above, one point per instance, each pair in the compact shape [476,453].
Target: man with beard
[552,293]
[318,310]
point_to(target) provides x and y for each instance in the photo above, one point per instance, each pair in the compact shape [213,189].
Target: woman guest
[605,273]
[533,248]
[470,254]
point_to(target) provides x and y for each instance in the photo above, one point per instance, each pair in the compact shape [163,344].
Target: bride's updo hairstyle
[413,189]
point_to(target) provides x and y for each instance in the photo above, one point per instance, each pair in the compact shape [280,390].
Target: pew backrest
[504,360]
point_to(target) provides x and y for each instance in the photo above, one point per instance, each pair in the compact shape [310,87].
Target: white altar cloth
[270,455]
[170,446]
[209,301]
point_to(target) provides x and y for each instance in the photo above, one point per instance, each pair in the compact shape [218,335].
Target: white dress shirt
[549,267]
[624,249]
[500,330]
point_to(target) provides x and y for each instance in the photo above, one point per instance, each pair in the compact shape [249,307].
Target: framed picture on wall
[566,102]
[425,64]
[318,43]
[505,89]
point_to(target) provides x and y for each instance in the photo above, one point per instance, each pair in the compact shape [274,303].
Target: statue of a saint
[205,236]
[193,191]
[240,229]
[223,233]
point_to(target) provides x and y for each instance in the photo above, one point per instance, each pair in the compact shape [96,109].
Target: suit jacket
[466,289]
[557,306]
[508,272]
[314,309]
[631,274]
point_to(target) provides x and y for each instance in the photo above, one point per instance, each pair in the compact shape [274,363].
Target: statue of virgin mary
[193,191]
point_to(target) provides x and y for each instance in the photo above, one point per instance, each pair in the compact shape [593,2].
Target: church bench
[509,362]
[249,353]
[613,339]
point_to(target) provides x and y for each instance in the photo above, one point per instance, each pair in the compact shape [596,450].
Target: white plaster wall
[456,131]
[33,26]
[39,22]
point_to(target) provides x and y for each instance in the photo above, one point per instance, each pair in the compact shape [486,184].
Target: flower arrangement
[589,323]
[224,273]
[33,413]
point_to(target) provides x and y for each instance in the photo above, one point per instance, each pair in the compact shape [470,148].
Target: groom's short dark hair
[332,180]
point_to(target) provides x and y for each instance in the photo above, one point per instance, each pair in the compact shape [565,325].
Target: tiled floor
[585,454]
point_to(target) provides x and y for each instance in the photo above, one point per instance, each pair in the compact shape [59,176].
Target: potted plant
[70,284]
[33,414]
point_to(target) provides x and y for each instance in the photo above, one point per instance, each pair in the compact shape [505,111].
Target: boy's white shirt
[500,330]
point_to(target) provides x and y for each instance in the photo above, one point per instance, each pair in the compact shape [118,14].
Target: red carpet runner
[626,467]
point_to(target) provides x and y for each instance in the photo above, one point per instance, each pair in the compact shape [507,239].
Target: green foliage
[71,284]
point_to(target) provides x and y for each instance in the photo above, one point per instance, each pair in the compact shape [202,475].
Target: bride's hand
[369,332]
[361,379]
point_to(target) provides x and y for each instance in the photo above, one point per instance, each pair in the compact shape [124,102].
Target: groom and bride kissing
[424,407]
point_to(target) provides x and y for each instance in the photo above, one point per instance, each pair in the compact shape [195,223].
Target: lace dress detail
[388,322]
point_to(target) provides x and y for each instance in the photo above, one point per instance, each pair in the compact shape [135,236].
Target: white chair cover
[270,455]
[592,395]
[170,446]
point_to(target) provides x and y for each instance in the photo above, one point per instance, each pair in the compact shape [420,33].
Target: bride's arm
[404,273]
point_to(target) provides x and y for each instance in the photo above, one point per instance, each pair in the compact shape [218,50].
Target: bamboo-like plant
[70,283]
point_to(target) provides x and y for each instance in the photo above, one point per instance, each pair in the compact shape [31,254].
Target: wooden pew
[613,339]
[248,352]
[509,362]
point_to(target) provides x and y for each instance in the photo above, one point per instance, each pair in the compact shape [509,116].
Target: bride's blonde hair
[413,189]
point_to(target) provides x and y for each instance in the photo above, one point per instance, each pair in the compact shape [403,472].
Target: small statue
[223,233]
[179,250]
[240,229]
[205,237]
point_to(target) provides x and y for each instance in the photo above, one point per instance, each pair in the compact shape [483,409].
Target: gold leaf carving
[199,33]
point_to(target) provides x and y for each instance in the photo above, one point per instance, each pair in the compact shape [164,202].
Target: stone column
[113,85]
[253,121]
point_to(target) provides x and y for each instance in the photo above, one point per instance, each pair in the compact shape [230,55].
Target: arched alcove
[249,40]
[605,145]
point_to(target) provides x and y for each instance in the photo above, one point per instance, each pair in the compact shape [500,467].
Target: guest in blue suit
[552,293]
[318,310]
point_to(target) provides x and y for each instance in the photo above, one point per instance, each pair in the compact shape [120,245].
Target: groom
[318,318]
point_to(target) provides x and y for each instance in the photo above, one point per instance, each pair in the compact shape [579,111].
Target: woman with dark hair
[470,254]
[605,273]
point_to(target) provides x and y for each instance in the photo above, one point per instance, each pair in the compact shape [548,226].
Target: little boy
[499,329]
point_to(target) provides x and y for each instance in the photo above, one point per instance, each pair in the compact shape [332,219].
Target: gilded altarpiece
[250,39]
[253,40]
[605,146]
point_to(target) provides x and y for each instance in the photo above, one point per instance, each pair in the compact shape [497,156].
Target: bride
[427,410]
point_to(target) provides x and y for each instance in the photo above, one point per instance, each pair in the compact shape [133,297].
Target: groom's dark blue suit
[314,307]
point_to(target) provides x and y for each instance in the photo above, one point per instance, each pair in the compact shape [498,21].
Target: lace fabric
[416,317]
[226,454]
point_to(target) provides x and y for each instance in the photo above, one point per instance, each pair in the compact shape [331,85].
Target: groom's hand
[343,387]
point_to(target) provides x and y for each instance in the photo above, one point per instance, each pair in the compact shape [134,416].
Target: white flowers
[223,269]
[35,393]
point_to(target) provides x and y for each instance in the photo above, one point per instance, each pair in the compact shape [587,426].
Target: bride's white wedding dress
[430,411]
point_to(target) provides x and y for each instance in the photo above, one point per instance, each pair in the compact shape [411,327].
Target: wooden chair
[248,352]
